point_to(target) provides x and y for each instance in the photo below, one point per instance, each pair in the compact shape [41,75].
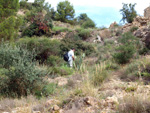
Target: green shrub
[84,34]
[54,61]
[88,24]
[127,48]
[20,73]
[30,31]
[25,5]
[9,28]
[62,71]
[61,29]
[134,28]
[43,47]
[125,53]
[40,23]
[80,46]
[40,45]
[143,51]
[47,90]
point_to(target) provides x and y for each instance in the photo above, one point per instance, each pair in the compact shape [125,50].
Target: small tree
[82,17]
[65,12]
[9,23]
[128,12]
[40,19]
[8,8]
[127,48]
[85,21]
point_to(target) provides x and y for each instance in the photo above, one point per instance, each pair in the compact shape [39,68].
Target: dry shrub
[134,104]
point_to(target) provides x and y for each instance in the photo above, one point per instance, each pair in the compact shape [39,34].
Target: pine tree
[65,12]
[9,23]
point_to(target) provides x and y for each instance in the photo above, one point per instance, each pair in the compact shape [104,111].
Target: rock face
[147,12]
[113,25]
[147,40]
[105,33]
[140,22]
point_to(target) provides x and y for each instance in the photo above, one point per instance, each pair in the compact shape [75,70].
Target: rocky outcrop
[147,40]
[147,12]
[105,33]
[140,22]
[113,25]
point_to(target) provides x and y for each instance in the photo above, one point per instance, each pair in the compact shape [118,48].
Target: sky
[102,12]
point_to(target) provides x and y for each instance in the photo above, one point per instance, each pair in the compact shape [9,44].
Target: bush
[54,61]
[47,90]
[80,46]
[84,34]
[9,28]
[61,29]
[134,28]
[88,24]
[20,74]
[127,48]
[43,47]
[40,24]
[25,5]
[63,70]
[125,53]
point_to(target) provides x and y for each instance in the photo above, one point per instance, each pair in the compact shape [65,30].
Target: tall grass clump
[19,74]
[134,104]
[127,48]
[99,74]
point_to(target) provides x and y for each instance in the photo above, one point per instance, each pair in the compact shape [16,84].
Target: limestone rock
[56,108]
[147,40]
[61,81]
[105,33]
[147,12]
[91,101]
[51,102]
[113,24]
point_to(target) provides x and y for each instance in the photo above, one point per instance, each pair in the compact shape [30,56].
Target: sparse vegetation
[111,70]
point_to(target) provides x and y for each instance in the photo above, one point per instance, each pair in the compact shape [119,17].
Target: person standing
[71,57]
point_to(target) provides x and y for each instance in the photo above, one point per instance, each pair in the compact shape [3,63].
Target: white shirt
[70,54]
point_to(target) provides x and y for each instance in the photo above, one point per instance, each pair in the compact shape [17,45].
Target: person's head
[73,49]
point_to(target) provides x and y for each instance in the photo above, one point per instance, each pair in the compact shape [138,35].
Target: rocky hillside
[111,72]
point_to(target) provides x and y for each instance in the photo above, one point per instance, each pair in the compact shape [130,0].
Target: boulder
[113,24]
[138,34]
[38,109]
[51,102]
[147,40]
[105,33]
[147,12]
[61,81]
[91,101]
[56,108]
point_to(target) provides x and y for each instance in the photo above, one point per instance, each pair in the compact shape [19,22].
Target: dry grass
[22,105]
[134,104]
